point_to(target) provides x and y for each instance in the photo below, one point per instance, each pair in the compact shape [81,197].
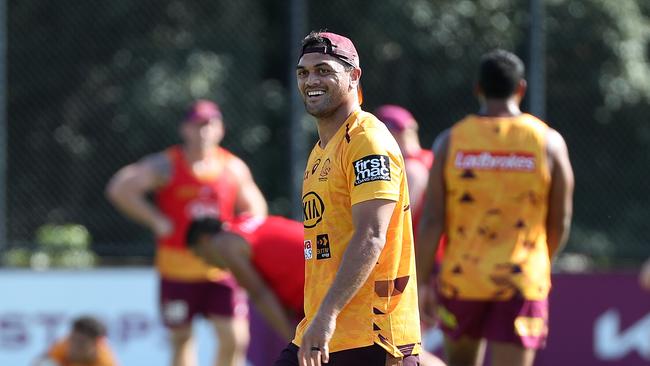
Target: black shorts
[368,356]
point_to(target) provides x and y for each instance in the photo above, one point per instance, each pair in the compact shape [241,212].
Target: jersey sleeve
[57,351]
[373,166]
[105,355]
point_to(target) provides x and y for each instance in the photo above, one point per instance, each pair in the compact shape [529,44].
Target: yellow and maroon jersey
[188,196]
[497,184]
[60,350]
[361,162]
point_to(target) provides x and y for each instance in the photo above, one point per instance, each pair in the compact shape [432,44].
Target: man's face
[202,133]
[324,83]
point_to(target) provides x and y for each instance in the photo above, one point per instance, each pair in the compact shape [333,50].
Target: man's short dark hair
[202,226]
[499,74]
[89,326]
[314,39]
[318,40]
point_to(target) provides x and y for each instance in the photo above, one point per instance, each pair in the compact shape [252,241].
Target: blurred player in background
[85,345]
[418,161]
[501,188]
[192,180]
[360,293]
[265,255]
[403,126]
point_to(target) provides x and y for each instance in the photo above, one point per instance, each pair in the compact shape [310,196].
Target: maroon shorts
[368,356]
[181,301]
[266,344]
[519,321]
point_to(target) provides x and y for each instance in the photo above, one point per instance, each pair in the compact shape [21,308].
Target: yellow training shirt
[361,162]
[497,185]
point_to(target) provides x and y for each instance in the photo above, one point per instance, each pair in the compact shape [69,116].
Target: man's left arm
[371,219]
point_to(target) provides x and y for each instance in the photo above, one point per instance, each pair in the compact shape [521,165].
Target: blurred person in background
[418,161]
[644,275]
[403,126]
[188,181]
[360,294]
[265,255]
[501,189]
[85,345]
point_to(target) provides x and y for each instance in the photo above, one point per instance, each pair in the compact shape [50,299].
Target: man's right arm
[128,188]
[431,226]
[560,200]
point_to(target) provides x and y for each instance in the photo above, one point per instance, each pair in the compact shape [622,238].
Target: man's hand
[314,349]
[428,303]
[644,276]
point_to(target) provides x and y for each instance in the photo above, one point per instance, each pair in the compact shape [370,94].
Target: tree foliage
[95,85]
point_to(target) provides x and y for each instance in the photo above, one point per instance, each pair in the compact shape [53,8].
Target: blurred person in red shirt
[195,179]
[418,161]
[85,345]
[266,257]
[403,126]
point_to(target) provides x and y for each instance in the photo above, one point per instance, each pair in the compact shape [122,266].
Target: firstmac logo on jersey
[371,168]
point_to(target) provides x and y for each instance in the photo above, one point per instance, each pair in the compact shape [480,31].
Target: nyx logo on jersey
[371,168]
[312,209]
[313,169]
[323,247]
[308,250]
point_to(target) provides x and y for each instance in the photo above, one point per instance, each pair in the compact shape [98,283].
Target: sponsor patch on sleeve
[308,249]
[371,168]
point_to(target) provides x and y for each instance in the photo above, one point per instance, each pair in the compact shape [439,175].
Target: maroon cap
[202,111]
[395,117]
[335,45]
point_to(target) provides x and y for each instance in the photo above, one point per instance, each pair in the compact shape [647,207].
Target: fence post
[3,126]
[298,152]
[536,58]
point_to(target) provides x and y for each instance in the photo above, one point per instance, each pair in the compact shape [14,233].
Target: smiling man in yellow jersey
[360,290]
[501,188]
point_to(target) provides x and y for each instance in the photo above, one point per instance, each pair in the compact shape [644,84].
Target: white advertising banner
[37,307]
[596,319]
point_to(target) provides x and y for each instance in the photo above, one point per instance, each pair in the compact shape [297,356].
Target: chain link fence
[96,85]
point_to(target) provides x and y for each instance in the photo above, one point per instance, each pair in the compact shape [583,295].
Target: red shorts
[181,301]
[519,321]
